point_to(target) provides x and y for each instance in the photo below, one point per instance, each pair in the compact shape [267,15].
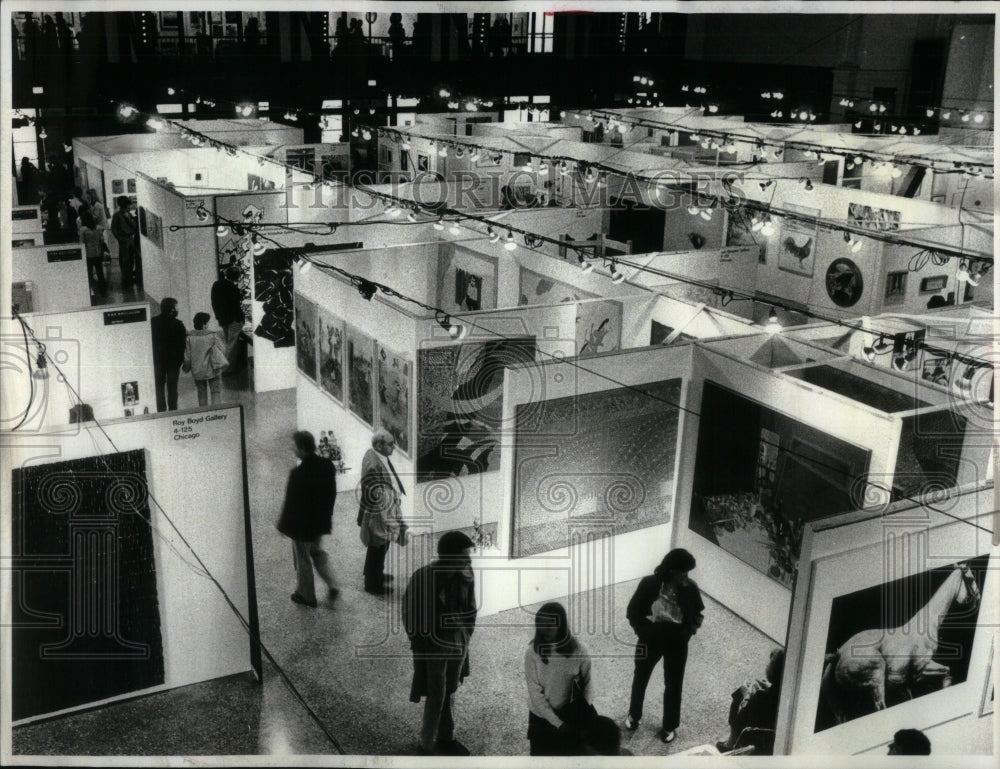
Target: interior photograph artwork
[407,384]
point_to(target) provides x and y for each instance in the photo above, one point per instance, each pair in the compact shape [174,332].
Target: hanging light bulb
[946,115]
[965,118]
[443,150]
[510,244]
[493,234]
[930,113]
[222,230]
[366,135]
[978,118]
[616,277]
[171,91]
[474,155]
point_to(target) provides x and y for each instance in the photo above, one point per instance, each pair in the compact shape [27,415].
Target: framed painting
[361,375]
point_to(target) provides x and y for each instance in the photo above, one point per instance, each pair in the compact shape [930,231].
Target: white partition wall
[747,589]
[171,453]
[105,353]
[926,571]
[57,275]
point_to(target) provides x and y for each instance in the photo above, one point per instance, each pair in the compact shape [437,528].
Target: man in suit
[169,337]
[379,512]
[307,515]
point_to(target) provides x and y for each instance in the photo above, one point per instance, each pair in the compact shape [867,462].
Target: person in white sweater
[557,673]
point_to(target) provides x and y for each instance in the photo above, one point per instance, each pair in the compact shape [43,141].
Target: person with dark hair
[379,513]
[439,614]
[227,304]
[557,672]
[397,35]
[93,250]
[205,358]
[29,182]
[124,228]
[909,742]
[665,611]
[169,338]
[306,516]
[753,713]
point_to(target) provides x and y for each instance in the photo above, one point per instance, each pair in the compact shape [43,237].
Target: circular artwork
[844,283]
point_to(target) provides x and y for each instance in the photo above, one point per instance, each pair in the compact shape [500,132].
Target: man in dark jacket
[307,515]
[439,614]
[169,336]
[665,611]
[227,304]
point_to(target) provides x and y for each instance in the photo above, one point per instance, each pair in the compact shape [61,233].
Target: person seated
[754,710]
[909,742]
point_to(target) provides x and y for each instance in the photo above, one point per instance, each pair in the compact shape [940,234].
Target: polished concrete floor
[351,666]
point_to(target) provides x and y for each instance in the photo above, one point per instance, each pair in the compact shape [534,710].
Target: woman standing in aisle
[205,358]
[90,237]
[665,611]
[557,672]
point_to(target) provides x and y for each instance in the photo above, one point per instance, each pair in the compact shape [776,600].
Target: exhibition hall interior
[644,309]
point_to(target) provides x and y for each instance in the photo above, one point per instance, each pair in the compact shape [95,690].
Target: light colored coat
[379,514]
[204,354]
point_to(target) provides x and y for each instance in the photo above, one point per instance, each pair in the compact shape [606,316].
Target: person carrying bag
[205,359]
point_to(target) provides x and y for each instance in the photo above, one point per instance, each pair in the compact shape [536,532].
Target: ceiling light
[493,234]
[510,244]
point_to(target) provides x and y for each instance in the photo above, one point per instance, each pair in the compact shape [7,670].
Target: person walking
[306,516]
[169,338]
[205,358]
[93,248]
[124,228]
[227,305]
[439,614]
[557,673]
[379,513]
[665,611]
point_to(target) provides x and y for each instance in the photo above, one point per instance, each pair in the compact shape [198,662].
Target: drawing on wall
[130,397]
[305,336]
[394,397]
[870,218]
[86,519]
[844,284]
[331,354]
[797,241]
[760,476]
[466,281]
[540,289]
[360,375]
[117,187]
[900,640]
[255,182]
[460,405]
[154,228]
[598,327]
[936,370]
[597,463]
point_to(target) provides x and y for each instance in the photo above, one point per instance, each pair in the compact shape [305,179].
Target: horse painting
[892,663]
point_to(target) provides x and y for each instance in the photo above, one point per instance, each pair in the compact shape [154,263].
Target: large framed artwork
[760,476]
[892,621]
[541,289]
[466,281]
[330,339]
[361,375]
[79,524]
[797,241]
[598,327]
[597,463]
[305,336]
[460,405]
[394,375]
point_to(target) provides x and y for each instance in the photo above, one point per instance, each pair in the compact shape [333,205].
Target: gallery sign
[24,213]
[64,254]
[131,315]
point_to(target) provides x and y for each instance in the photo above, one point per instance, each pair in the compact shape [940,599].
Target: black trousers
[668,642]
[375,566]
[166,379]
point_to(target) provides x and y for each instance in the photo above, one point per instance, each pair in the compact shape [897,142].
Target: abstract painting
[460,405]
[882,648]
[361,375]
[871,218]
[797,242]
[305,336]
[541,289]
[466,281]
[394,396]
[86,621]
[598,327]
[601,462]
[331,353]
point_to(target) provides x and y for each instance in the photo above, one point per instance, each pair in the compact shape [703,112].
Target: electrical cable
[31,378]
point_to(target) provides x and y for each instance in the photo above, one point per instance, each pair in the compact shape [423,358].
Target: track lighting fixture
[878,347]
[454,229]
[509,243]
[439,224]
[586,266]
[616,277]
[494,236]
[366,288]
[807,183]
[202,214]
[41,364]
[412,216]
[222,230]
[393,211]
[965,274]
[773,324]
[455,329]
